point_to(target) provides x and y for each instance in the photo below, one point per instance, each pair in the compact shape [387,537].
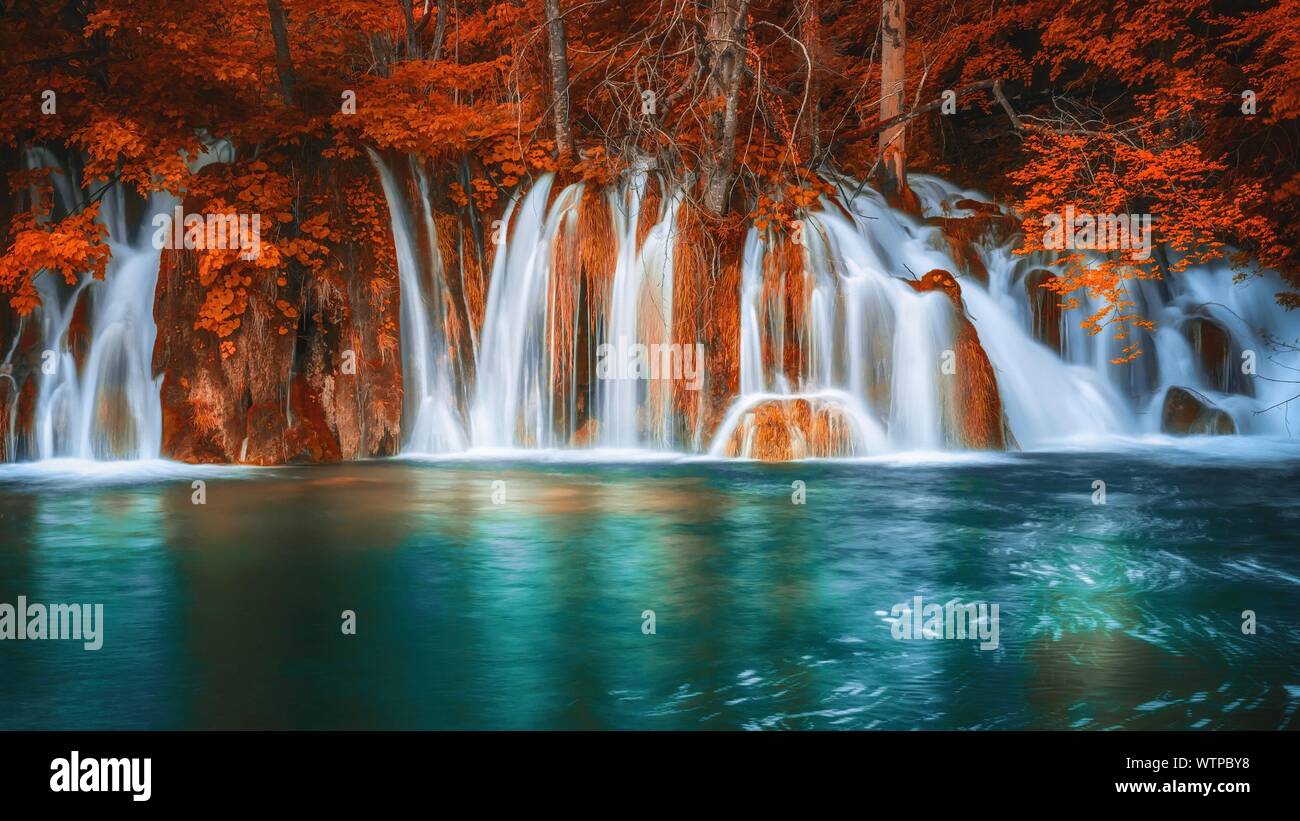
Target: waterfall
[635,413]
[117,377]
[871,345]
[617,399]
[1255,328]
[512,401]
[430,421]
[103,404]
[850,360]
[515,400]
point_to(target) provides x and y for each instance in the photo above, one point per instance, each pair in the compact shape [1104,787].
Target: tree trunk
[408,17]
[280,34]
[809,23]
[726,50]
[440,30]
[559,81]
[893,48]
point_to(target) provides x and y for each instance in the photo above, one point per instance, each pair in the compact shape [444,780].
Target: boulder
[976,403]
[1186,414]
[778,430]
[1218,357]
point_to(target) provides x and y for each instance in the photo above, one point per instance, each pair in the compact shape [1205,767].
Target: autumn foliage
[755,108]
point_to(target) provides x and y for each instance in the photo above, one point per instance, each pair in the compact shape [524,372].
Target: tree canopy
[1183,109]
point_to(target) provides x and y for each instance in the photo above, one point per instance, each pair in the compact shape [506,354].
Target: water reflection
[528,613]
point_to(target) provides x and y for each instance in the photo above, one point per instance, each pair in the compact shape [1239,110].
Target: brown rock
[1186,413]
[963,235]
[311,372]
[1219,359]
[783,429]
[1045,304]
[585,436]
[976,403]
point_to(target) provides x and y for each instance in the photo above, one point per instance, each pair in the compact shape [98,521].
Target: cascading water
[633,412]
[617,399]
[866,346]
[874,339]
[1099,397]
[1256,331]
[515,401]
[430,421]
[105,406]
[96,394]
[120,413]
[871,344]
[512,402]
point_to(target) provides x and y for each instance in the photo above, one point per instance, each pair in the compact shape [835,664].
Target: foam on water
[65,472]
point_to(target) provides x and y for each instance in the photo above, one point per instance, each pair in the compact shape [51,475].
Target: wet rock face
[1186,413]
[1046,307]
[963,235]
[939,280]
[1217,356]
[9,396]
[319,390]
[975,407]
[18,386]
[779,430]
[586,435]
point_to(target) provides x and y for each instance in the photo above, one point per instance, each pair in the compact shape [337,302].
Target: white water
[871,346]
[108,408]
[430,422]
[514,402]
[886,345]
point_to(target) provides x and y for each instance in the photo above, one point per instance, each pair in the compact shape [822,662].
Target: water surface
[768,614]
